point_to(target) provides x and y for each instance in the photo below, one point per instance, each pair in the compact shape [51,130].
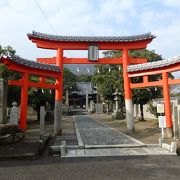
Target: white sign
[160,108]
[162,121]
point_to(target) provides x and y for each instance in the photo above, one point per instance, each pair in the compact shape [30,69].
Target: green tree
[69,80]
[13,91]
[84,78]
[143,96]
[39,97]
[107,82]
[107,79]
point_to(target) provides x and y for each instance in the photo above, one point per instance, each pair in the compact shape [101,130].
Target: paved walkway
[91,133]
[97,139]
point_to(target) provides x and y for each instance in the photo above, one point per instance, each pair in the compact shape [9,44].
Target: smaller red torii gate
[28,68]
[162,67]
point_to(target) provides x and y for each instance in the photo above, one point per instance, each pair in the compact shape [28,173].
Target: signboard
[162,121]
[93,53]
[160,108]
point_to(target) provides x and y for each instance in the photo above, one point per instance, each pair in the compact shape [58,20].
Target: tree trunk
[142,113]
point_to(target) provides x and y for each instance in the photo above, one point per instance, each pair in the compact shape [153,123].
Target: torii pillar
[127,92]
[58,95]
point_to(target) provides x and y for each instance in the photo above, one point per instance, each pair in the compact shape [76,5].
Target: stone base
[117,114]
[169,132]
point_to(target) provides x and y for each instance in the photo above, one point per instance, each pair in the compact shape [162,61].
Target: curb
[79,138]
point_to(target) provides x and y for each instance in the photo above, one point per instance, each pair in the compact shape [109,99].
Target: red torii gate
[61,43]
[162,67]
[28,68]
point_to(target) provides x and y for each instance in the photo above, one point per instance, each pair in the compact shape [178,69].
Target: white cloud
[89,17]
[172,3]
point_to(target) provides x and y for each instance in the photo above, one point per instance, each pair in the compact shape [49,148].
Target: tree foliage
[84,78]
[13,92]
[107,81]
[69,80]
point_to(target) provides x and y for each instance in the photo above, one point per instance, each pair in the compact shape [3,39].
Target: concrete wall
[147,115]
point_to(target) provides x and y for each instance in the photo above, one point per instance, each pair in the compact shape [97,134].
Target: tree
[13,92]
[39,97]
[69,80]
[143,96]
[84,78]
[108,82]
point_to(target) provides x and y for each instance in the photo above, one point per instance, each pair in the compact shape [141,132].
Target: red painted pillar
[167,104]
[58,95]
[24,102]
[127,92]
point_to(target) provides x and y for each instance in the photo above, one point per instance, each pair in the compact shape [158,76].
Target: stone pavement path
[91,133]
[133,151]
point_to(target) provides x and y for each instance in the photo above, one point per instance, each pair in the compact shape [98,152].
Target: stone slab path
[133,151]
[93,134]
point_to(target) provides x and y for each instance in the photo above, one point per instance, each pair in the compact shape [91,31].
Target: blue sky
[90,17]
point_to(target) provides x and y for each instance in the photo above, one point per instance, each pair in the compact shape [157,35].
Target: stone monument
[3,101]
[92,107]
[14,116]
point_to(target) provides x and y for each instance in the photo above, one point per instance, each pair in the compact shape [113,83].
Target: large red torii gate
[123,43]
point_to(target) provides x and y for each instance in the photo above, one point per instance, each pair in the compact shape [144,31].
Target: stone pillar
[127,92]
[42,119]
[58,95]
[175,122]
[58,117]
[14,116]
[3,101]
[87,100]
[67,98]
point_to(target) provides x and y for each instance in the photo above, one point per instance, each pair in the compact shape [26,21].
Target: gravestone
[3,101]
[14,116]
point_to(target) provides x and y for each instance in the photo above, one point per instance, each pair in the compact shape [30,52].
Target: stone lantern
[117,114]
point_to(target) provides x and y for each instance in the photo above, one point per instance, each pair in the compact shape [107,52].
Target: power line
[46,18]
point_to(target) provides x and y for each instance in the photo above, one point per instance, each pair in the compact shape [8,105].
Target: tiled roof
[44,36]
[32,64]
[154,64]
